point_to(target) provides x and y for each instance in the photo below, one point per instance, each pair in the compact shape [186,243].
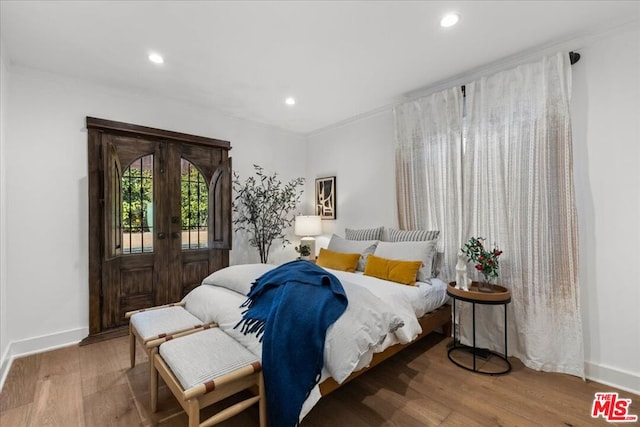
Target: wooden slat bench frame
[151,343]
[134,335]
[202,395]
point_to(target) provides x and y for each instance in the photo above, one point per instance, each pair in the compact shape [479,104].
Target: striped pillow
[364,234]
[412,235]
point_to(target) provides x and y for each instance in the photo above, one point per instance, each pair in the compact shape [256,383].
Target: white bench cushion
[163,321]
[204,356]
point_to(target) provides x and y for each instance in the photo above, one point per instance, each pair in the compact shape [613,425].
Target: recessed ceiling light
[290,101]
[449,20]
[155,58]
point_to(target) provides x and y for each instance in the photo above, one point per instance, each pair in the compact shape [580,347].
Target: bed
[381,319]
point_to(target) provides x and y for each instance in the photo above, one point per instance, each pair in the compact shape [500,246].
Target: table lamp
[308,226]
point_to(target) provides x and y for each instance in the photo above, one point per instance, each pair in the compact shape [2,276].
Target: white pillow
[410,251]
[237,278]
[362,247]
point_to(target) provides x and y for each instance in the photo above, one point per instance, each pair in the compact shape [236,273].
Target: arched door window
[194,206]
[137,206]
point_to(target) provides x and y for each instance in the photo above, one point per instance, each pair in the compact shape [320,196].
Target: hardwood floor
[93,386]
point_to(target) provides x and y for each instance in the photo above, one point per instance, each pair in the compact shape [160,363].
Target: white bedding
[423,297]
[379,314]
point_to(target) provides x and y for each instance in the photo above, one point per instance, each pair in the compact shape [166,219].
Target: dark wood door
[159,220]
[197,250]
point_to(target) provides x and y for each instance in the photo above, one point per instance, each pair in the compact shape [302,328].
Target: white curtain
[519,193]
[503,172]
[428,163]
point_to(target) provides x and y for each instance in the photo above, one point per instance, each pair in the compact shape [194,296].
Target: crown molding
[572,43]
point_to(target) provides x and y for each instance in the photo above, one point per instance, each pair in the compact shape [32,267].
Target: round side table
[498,295]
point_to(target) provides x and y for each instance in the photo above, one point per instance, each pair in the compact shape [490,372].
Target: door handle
[176,235]
[162,235]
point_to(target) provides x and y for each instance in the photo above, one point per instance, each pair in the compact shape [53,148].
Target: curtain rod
[573,58]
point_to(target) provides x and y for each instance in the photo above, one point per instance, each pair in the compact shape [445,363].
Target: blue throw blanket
[290,308]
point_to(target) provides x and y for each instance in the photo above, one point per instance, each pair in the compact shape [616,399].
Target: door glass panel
[114,209]
[137,206]
[194,207]
[117,209]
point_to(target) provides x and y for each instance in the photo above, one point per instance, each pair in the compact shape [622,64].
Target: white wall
[46,211]
[606,117]
[361,155]
[606,108]
[46,191]
[4,338]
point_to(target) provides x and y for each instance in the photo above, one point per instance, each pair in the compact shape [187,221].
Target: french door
[159,217]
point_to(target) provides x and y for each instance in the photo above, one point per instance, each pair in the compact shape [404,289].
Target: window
[194,207]
[137,206]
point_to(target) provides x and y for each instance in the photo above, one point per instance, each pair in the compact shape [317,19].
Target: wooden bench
[204,367]
[149,324]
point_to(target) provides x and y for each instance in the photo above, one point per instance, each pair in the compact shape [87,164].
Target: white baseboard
[40,344]
[613,377]
[5,365]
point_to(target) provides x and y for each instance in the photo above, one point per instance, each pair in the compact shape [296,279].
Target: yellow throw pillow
[404,272]
[337,260]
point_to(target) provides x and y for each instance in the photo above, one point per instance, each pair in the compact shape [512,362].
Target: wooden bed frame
[439,318]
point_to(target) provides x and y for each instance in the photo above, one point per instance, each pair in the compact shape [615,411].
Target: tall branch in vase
[263,207]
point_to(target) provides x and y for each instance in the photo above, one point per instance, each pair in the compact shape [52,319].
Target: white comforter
[379,314]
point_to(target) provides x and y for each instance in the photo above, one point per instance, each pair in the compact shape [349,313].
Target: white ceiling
[339,59]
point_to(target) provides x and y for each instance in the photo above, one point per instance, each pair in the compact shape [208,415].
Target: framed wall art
[326,197]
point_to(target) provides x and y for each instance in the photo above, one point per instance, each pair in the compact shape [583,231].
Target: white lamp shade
[308,225]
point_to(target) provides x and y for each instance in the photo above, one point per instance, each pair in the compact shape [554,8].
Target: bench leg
[194,413]
[132,346]
[153,380]
[262,405]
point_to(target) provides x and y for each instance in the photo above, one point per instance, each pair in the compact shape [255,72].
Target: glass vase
[485,285]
